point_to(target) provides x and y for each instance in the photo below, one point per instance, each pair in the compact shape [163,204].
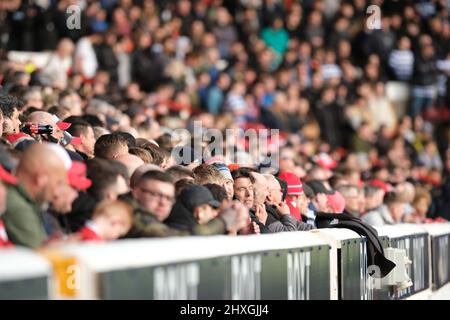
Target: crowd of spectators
[88,138]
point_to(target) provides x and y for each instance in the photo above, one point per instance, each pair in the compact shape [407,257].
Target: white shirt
[85,52]
[56,69]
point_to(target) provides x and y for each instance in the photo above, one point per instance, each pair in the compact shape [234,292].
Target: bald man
[137,174]
[260,194]
[45,118]
[41,173]
[280,217]
[131,162]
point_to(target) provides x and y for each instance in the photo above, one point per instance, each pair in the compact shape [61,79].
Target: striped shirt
[402,63]
[331,71]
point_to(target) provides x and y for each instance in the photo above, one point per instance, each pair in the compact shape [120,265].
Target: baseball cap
[224,170]
[7,177]
[69,139]
[380,184]
[233,166]
[77,176]
[61,124]
[294,184]
[318,187]
[336,202]
[197,195]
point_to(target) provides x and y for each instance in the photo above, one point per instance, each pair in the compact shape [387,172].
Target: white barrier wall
[415,240]
[320,264]
[23,275]
[278,266]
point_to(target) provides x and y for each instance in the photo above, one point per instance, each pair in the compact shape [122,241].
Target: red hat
[325,161]
[233,166]
[294,183]
[6,176]
[380,184]
[63,125]
[336,201]
[69,139]
[75,141]
[77,176]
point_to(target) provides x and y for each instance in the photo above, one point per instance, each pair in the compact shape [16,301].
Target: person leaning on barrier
[319,202]
[227,182]
[111,220]
[220,194]
[354,199]
[279,211]
[395,206]
[5,179]
[109,180]
[377,213]
[55,223]
[152,198]
[40,173]
[197,206]
[194,206]
[244,191]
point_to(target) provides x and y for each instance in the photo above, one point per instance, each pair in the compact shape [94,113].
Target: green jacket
[146,225]
[23,219]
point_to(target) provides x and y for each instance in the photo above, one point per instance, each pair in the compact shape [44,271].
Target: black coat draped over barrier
[375,253]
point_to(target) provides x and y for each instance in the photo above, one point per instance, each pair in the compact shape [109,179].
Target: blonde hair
[112,208]
[422,193]
[141,153]
[204,174]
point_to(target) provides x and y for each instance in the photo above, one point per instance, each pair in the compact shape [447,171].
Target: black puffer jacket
[425,72]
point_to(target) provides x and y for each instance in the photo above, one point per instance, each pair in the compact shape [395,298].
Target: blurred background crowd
[88,115]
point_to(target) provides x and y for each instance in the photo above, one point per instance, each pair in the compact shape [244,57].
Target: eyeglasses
[156,194]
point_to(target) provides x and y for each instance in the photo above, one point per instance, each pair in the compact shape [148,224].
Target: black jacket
[148,68]
[375,253]
[82,209]
[181,218]
[425,71]
[262,227]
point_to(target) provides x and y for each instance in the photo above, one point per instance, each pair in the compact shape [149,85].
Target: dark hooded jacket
[180,217]
[82,209]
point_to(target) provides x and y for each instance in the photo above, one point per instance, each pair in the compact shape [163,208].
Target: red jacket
[88,234]
[293,207]
[4,241]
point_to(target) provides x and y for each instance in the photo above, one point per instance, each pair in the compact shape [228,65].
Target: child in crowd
[111,220]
